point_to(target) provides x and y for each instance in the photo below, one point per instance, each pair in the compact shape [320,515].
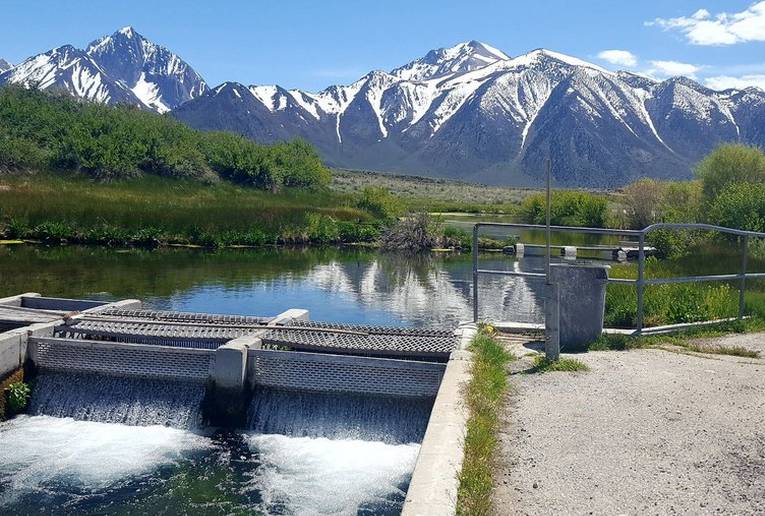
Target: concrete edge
[435,479]
[290,315]
[16,300]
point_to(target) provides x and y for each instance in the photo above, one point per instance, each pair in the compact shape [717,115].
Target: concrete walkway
[643,432]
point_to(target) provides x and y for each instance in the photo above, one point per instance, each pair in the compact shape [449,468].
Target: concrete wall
[435,479]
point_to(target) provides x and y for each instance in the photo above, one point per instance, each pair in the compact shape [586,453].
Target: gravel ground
[643,432]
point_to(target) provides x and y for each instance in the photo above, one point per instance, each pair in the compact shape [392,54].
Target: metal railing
[641,282]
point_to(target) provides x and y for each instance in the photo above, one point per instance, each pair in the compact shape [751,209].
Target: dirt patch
[643,432]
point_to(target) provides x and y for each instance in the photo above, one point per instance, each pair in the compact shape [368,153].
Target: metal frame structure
[641,282]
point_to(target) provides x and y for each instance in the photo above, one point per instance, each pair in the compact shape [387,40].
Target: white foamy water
[304,475]
[40,451]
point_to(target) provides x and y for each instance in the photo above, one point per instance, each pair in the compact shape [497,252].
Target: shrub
[740,206]
[415,233]
[730,163]
[380,202]
[569,208]
[643,199]
[44,131]
[17,396]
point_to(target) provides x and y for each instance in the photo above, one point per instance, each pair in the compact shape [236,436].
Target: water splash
[338,416]
[60,459]
[112,399]
[309,476]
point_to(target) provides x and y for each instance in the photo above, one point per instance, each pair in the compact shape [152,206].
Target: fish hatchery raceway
[646,431]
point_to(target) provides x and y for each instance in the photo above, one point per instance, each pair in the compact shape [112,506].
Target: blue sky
[312,44]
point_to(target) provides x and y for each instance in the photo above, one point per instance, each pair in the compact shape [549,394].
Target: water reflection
[358,286]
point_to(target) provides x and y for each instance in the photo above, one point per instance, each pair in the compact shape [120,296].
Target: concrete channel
[235,355]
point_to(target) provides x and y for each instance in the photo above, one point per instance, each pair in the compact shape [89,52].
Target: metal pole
[742,284]
[552,295]
[547,220]
[640,284]
[475,273]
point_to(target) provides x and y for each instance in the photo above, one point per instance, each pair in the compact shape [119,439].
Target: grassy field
[438,195]
[153,209]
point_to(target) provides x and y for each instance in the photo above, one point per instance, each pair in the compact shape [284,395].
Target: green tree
[730,163]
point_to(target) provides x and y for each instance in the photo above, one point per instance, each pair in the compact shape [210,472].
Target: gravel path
[643,432]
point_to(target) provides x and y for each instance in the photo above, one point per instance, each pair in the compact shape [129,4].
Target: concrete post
[568,252]
[292,314]
[228,395]
[552,322]
[582,301]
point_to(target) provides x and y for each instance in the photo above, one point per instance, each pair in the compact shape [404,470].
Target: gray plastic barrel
[582,294]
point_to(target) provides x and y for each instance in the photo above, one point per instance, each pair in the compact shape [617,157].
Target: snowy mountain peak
[158,77]
[128,31]
[461,58]
[4,65]
[123,67]
[543,56]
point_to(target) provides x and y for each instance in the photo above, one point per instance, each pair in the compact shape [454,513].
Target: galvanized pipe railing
[641,282]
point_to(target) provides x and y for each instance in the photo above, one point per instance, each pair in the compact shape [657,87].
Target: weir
[239,364]
[288,384]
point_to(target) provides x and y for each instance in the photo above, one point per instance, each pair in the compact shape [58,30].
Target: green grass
[151,210]
[687,339]
[563,364]
[484,393]
[685,302]
[434,195]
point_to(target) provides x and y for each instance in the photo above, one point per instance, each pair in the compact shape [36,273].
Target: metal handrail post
[640,284]
[475,273]
[742,283]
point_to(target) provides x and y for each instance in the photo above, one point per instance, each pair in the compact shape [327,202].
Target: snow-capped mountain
[472,112]
[72,70]
[469,111]
[4,65]
[160,79]
[122,68]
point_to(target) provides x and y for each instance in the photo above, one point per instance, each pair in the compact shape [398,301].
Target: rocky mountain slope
[469,112]
[122,68]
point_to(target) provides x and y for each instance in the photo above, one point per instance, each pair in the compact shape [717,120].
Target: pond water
[342,285]
[60,465]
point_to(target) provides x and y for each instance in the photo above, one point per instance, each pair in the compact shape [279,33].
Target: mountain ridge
[123,67]
[469,111]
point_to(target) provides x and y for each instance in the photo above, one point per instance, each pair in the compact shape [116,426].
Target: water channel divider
[435,479]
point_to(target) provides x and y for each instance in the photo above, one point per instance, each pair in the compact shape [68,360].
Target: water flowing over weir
[114,399]
[339,416]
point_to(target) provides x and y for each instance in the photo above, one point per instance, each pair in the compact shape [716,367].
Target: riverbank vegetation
[484,396]
[56,133]
[153,211]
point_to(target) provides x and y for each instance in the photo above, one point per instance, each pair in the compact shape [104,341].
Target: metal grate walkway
[361,340]
[208,331]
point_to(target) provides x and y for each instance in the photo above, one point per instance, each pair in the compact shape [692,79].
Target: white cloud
[619,57]
[724,82]
[673,68]
[702,28]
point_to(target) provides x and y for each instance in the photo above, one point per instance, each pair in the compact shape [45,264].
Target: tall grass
[683,302]
[152,209]
[484,394]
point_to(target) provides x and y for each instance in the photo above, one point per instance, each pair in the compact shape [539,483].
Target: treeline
[54,132]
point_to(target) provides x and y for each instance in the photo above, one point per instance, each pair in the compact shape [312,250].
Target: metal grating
[121,359]
[371,340]
[188,317]
[340,373]
[187,336]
